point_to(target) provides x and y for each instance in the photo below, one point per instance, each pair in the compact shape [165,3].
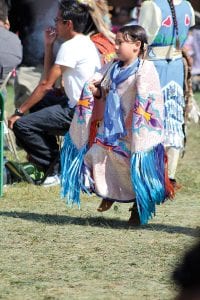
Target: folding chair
[3,125]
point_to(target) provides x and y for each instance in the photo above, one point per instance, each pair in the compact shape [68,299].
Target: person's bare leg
[134,219]
[105,205]
[173,158]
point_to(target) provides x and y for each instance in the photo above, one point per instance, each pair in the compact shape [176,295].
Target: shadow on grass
[98,222]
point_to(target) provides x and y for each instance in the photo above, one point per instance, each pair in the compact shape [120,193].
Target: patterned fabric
[171,71]
[166,33]
[114,126]
[172,88]
[155,20]
[134,166]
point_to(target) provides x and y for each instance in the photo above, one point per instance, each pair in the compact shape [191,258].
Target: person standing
[28,19]
[167,24]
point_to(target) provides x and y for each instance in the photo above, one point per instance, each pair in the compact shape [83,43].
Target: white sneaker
[51,181]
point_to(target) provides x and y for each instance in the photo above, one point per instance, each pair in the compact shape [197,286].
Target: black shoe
[176,185]
[134,219]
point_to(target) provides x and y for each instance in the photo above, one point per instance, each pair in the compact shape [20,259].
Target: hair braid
[173,11]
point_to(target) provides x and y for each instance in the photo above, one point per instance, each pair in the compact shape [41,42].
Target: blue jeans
[36,132]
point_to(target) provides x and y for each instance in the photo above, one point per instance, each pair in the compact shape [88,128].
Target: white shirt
[82,60]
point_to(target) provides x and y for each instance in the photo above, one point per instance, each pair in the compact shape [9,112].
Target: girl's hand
[49,36]
[93,88]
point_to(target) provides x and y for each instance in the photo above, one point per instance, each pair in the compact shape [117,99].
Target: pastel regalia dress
[156,18]
[130,166]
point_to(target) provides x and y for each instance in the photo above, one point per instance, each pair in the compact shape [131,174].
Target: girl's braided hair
[133,33]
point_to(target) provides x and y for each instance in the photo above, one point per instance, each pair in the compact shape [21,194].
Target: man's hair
[76,12]
[3,11]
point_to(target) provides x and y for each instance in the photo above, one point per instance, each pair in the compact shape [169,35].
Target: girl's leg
[105,205]
[134,219]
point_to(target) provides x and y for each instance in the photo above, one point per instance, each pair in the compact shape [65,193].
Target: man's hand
[49,36]
[12,120]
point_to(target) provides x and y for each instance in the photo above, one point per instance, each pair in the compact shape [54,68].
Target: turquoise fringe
[147,176]
[71,165]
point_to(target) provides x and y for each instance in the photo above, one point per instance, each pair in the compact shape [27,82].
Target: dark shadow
[99,222]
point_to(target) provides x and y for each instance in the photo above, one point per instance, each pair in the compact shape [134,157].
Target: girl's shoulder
[145,64]
[147,70]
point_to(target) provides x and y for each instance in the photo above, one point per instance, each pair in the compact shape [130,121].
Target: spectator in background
[37,132]
[192,45]
[135,12]
[10,45]
[120,17]
[29,19]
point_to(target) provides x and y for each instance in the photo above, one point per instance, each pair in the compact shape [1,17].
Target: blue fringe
[71,166]
[148,179]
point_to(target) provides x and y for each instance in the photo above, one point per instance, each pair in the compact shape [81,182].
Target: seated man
[76,61]
[10,46]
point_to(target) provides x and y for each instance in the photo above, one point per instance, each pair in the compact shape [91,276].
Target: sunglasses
[57,19]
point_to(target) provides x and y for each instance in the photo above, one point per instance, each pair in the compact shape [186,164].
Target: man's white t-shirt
[82,60]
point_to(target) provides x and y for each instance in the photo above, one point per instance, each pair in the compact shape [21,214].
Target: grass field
[49,251]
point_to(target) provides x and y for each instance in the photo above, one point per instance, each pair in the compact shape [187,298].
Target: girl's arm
[95,88]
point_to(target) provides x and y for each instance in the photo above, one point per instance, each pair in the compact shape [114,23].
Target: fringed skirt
[111,173]
[171,75]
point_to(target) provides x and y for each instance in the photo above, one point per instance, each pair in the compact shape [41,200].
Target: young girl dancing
[124,160]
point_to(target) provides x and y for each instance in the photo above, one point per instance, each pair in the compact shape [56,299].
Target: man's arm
[39,92]
[49,40]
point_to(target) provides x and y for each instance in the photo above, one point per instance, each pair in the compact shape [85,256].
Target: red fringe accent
[170,192]
[93,132]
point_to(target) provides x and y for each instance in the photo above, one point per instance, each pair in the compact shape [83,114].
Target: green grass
[9,104]
[49,251]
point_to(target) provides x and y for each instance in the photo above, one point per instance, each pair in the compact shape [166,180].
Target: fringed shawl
[147,164]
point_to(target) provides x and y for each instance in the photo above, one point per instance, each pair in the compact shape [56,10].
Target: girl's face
[127,51]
